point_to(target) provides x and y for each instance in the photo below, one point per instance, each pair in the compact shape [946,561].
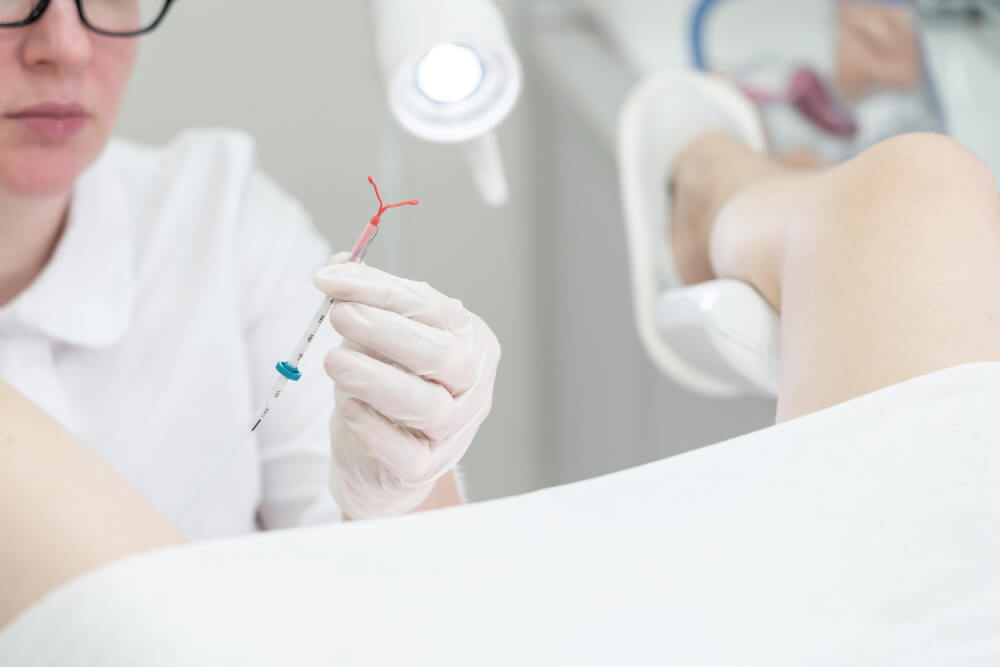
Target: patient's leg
[884,268]
[62,510]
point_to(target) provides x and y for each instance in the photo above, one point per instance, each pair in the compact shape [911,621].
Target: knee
[907,194]
[920,167]
[926,178]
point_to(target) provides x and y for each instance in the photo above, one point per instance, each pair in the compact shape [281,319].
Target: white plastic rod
[486,163]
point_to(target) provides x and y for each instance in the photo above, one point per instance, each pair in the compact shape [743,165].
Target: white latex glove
[414,380]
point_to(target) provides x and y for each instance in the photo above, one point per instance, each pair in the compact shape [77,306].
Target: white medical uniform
[181,279]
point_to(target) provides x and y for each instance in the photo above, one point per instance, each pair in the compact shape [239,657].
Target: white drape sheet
[866,534]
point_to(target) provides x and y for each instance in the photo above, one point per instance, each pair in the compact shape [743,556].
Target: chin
[44,171]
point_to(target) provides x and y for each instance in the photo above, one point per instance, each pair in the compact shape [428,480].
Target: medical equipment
[413,382]
[718,338]
[986,9]
[962,40]
[288,369]
[805,91]
[451,76]
[809,94]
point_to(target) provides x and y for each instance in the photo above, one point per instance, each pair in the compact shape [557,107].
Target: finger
[402,397]
[473,407]
[459,405]
[429,352]
[347,344]
[339,258]
[353,282]
[340,390]
[397,451]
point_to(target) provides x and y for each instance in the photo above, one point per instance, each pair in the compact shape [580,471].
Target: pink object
[811,97]
[372,226]
[807,93]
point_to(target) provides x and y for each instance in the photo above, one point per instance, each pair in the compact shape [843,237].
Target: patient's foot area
[709,173]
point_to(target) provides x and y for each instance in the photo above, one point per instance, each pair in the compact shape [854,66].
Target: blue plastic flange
[289,371]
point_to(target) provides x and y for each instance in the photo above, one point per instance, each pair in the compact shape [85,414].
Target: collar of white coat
[84,294]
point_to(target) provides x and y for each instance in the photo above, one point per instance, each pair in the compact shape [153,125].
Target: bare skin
[55,60]
[70,512]
[877,48]
[884,268]
[29,243]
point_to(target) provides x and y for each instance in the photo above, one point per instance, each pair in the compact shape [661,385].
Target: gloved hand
[414,380]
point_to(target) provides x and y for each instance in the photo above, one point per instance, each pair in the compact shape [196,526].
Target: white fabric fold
[865,534]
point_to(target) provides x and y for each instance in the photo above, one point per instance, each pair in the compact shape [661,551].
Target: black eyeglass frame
[42,5]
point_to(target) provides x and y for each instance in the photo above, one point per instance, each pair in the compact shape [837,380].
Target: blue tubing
[697,36]
[700,16]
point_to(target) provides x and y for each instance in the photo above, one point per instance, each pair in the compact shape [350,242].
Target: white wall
[607,407]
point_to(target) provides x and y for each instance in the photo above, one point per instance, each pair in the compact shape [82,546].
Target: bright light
[449,73]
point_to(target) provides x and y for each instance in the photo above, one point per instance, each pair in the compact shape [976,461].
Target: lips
[51,121]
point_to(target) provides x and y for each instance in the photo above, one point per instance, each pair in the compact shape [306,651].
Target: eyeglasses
[115,18]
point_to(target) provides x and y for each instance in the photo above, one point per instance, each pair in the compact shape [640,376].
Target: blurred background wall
[575,396]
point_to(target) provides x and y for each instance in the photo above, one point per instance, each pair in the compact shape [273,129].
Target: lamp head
[451,76]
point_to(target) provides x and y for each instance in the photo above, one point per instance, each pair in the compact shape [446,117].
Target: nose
[58,40]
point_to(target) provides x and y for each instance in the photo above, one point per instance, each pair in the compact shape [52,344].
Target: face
[61,86]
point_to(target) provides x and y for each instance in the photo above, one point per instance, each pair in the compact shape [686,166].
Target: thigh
[63,511]
[893,272]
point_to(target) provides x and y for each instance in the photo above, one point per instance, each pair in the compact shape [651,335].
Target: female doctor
[146,294]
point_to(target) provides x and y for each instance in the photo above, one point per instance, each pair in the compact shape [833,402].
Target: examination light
[451,76]
[449,73]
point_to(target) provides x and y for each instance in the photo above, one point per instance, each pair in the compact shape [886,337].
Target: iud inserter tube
[289,369]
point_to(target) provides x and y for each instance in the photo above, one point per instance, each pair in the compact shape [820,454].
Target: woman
[145,295]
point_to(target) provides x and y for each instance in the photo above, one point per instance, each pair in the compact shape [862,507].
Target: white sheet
[867,534]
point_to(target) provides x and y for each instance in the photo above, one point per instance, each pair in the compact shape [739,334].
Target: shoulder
[221,146]
[198,209]
[208,182]
[194,162]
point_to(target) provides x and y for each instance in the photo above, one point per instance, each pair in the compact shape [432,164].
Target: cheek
[10,72]
[113,62]
[31,169]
